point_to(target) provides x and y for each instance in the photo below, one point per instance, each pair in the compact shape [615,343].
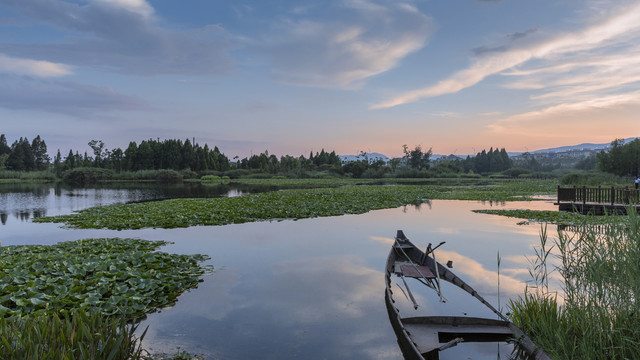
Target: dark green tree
[39,150]
[4,147]
[144,156]
[117,157]
[621,159]
[58,165]
[21,157]
[416,158]
[70,161]
[98,151]
[130,155]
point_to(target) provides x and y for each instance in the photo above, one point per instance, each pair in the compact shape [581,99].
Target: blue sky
[292,77]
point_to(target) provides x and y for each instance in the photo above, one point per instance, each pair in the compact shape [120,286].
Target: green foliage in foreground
[278,205]
[114,276]
[599,315]
[72,335]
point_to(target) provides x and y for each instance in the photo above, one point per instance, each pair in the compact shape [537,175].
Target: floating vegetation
[547,216]
[113,276]
[286,204]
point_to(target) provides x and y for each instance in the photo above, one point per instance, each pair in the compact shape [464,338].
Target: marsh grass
[77,334]
[9,176]
[598,316]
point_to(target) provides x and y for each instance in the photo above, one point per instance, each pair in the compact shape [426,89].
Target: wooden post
[625,199]
[584,196]
[613,195]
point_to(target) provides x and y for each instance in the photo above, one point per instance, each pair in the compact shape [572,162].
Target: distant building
[363,156]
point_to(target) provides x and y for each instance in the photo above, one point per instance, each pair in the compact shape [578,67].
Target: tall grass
[78,334]
[598,316]
[13,176]
[594,178]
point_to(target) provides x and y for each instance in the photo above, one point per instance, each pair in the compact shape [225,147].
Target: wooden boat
[424,337]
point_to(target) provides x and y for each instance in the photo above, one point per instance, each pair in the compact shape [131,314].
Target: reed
[79,334]
[598,316]
[8,176]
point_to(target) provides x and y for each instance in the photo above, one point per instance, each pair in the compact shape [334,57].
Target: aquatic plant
[597,316]
[282,204]
[549,216]
[75,334]
[113,276]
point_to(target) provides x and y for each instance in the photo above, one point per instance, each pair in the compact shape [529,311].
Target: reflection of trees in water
[493,202]
[417,206]
[31,199]
[23,215]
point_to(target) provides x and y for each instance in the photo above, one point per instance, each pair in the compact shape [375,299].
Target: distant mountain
[584,146]
[371,157]
[435,157]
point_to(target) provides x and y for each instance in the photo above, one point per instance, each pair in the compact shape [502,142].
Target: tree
[144,156]
[98,150]
[116,159]
[621,159]
[129,161]
[416,159]
[4,147]
[57,163]
[21,157]
[39,151]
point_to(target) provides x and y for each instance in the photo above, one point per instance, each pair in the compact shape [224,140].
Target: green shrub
[211,178]
[591,178]
[237,173]
[188,174]
[86,176]
[169,176]
[516,172]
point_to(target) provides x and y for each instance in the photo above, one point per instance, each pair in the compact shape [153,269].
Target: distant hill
[584,146]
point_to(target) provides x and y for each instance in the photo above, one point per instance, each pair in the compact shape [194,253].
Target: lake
[306,289]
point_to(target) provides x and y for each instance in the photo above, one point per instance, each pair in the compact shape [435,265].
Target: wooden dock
[597,200]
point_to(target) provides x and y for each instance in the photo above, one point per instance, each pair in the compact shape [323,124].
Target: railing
[599,195]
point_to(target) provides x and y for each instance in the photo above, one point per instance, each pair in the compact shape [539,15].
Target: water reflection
[309,289]
[32,200]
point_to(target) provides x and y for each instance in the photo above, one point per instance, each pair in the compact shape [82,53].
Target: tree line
[175,154]
[170,154]
[24,155]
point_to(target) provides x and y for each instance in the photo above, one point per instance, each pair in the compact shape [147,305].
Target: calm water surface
[306,289]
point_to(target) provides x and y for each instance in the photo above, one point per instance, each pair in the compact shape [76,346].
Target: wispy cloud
[121,36]
[369,38]
[615,34]
[63,97]
[32,67]
[137,6]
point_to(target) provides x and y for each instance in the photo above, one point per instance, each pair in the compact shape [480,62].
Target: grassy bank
[598,316]
[288,204]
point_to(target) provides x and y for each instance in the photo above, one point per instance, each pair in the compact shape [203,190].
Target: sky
[293,77]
